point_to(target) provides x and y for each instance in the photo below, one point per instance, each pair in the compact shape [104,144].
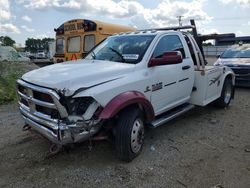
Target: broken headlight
[78,106]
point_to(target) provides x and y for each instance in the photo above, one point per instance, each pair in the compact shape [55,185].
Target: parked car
[238,59]
[8,53]
[127,82]
[41,54]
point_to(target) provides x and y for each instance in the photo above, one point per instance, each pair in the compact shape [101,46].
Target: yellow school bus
[75,38]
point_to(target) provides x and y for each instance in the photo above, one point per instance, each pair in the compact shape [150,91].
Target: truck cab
[129,81]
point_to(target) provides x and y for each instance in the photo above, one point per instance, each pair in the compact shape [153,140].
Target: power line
[225,18]
[231,18]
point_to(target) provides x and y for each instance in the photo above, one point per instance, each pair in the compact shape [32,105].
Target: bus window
[60,46]
[74,44]
[89,42]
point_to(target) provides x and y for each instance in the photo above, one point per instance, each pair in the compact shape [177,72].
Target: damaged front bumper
[59,131]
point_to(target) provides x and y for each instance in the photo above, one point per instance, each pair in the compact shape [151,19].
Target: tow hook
[54,149]
[26,127]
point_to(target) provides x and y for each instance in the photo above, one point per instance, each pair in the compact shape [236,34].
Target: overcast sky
[21,19]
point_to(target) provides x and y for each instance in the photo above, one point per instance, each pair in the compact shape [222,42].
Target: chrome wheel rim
[228,93]
[137,135]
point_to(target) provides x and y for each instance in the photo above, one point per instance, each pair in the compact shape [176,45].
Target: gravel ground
[206,147]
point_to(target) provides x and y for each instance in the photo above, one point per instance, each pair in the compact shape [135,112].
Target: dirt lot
[206,147]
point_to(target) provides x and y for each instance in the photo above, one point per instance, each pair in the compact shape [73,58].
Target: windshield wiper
[118,53]
[93,55]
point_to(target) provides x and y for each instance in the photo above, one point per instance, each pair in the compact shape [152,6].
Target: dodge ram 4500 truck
[127,82]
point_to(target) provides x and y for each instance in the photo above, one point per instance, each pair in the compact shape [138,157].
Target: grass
[9,73]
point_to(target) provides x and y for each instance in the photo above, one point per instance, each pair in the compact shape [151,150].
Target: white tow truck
[129,81]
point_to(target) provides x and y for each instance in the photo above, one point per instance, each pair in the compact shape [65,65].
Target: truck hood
[71,76]
[233,61]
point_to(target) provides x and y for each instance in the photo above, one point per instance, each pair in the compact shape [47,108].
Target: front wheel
[226,94]
[129,134]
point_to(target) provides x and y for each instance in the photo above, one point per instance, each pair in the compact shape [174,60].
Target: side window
[89,42]
[190,47]
[168,43]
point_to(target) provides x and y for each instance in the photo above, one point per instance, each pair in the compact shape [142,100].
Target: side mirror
[167,58]
[217,56]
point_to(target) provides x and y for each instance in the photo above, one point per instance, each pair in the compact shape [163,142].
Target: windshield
[237,53]
[74,44]
[126,49]
[60,46]
[89,42]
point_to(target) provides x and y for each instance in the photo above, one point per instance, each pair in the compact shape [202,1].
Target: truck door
[174,82]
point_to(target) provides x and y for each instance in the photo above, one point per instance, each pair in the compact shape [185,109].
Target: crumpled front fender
[125,99]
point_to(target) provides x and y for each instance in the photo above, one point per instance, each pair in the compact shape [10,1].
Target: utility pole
[179,20]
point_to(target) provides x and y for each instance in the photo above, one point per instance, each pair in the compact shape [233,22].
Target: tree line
[7,41]
[31,44]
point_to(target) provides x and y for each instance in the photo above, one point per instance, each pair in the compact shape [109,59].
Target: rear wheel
[129,133]
[226,94]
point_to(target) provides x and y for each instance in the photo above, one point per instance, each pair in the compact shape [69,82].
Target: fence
[214,50]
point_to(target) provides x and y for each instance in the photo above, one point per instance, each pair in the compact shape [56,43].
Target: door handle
[186,67]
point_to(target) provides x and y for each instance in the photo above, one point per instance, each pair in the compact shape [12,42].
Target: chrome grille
[27,95]
[39,104]
[42,111]
[241,71]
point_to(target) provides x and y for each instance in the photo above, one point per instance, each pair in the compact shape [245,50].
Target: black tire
[226,94]
[130,121]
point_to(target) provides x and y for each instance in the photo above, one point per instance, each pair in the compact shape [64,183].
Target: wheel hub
[137,135]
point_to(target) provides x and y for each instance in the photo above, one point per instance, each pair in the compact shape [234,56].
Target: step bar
[171,115]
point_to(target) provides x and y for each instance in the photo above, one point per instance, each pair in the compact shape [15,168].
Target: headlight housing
[78,106]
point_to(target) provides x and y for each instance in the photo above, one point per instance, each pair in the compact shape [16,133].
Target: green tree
[7,41]
[32,45]
[45,42]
